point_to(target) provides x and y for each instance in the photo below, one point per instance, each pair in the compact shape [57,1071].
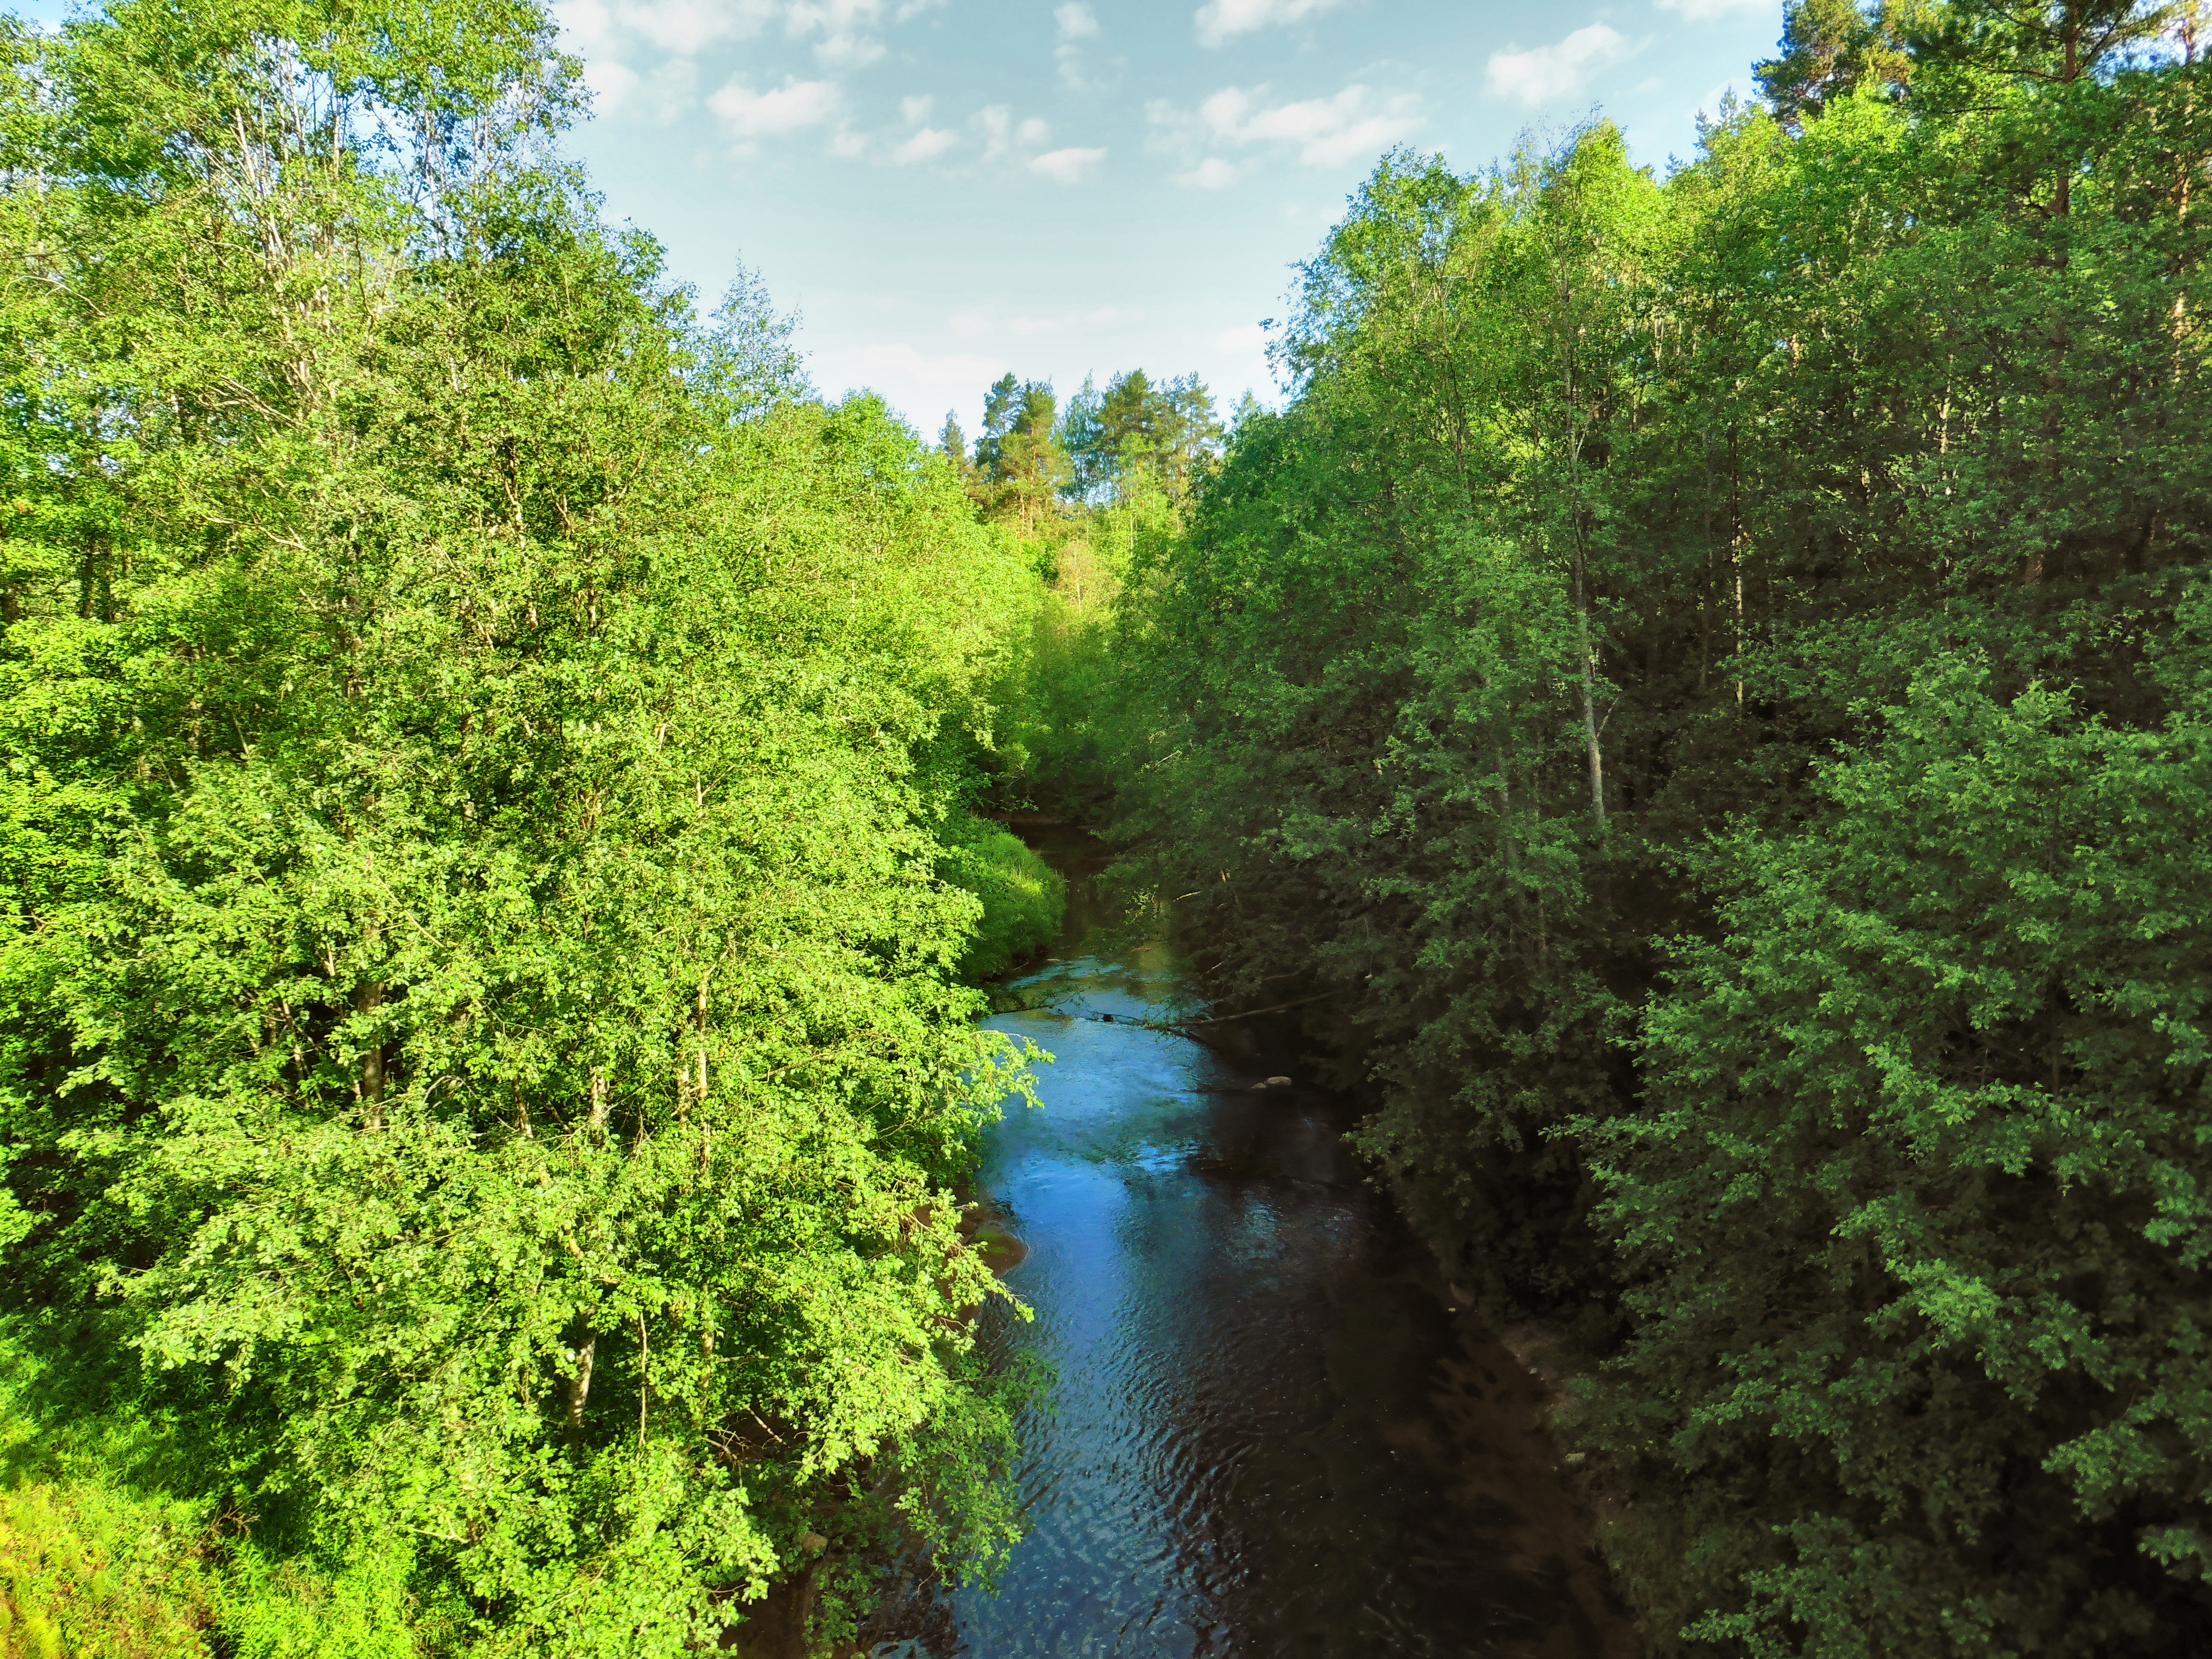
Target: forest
[1700,694]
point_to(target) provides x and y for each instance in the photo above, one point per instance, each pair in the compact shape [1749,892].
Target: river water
[1271,1433]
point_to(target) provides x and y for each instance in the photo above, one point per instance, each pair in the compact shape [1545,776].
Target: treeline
[1707,685]
[1081,493]
[485,1067]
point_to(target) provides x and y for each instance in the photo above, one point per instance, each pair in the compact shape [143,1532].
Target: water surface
[1271,1432]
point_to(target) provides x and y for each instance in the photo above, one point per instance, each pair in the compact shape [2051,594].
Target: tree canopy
[1700,694]
[483,1068]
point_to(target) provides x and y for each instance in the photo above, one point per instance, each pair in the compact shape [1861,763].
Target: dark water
[1271,1434]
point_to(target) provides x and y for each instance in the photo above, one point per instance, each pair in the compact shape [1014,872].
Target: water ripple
[1268,1437]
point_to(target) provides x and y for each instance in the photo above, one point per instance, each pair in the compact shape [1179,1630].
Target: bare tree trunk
[1570,366]
[2054,375]
[703,978]
[1589,687]
[580,1385]
[1736,557]
[2187,31]
[366,1000]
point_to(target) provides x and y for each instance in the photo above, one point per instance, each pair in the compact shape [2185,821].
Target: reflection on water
[1270,1435]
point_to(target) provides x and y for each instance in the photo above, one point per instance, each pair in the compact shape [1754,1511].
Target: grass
[91,1571]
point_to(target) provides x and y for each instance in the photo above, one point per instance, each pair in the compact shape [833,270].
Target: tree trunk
[580,1385]
[1589,687]
[366,1000]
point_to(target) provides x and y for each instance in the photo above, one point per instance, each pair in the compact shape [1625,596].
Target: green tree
[1830,48]
[1696,698]
[1019,461]
[483,1044]
[1134,433]
[1914,1220]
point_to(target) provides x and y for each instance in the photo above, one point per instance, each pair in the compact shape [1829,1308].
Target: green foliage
[1831,48]
[1020,465]
[479,1033]
[364,1608]
[1023,898]
[1942,1079]
[98,1560]
[1700,696]
[1059,700]
[1078,499]
[1135,434]
[1373,648]
[98,1574]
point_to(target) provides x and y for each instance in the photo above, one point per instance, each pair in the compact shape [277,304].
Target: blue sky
[949,189]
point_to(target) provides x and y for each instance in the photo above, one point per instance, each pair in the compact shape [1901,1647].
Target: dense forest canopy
[483,1068]
[1701,696]
[1705,682]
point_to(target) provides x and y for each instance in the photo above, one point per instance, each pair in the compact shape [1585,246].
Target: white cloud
[1074,322]
[846,29]
[924,146]
[1002,137]
[1067,166]
[844,25]
[1076,21]
[1325,132]
[684,25]
[597,29]
[585,25]
[1706,11]
[673,88]
[1211,174]
[1222,20]
[1250,337]
[796,104]
[612,85]
[1544,73]
[943,369]
[638,53]
[916,110]
[662,95]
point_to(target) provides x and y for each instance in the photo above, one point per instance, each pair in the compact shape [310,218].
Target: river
[1272,1432]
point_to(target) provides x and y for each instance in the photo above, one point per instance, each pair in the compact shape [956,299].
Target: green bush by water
[1024,897]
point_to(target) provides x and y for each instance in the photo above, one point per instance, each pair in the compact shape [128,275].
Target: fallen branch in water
[1223,1019]
[1183,1027]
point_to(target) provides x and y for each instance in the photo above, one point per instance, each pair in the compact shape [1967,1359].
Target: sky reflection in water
[1270,1437]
